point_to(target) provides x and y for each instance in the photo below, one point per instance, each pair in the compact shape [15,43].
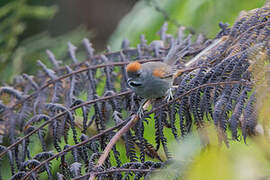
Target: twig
[116,137]
[113,141]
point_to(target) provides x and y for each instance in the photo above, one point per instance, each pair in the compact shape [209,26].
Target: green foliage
[13,24]
[34,48]
[239,161]
[19,53]
[200,15]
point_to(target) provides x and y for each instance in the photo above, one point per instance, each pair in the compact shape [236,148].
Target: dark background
[99,16]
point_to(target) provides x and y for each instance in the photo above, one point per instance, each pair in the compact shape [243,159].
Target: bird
[152,80]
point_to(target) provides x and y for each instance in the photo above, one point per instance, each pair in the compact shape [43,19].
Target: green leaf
[40,12]
[202,16]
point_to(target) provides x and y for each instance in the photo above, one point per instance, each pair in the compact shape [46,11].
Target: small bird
[150,80]
[153,80]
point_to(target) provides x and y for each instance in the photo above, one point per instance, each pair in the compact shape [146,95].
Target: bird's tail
[175,53]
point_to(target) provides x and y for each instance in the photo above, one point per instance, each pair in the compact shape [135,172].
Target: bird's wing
[163,71]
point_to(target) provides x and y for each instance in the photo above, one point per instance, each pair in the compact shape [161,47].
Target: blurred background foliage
[201,16]
[239,162]
[29,27]
[13,16]
[22,41]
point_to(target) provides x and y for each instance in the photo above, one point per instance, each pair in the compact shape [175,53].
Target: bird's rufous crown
[133,67]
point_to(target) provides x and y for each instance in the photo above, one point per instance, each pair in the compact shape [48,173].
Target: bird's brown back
[158,69]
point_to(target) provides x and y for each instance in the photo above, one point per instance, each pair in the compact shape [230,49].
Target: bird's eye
[138,75]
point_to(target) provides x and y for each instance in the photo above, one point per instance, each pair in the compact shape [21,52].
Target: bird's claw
[169,95]
[140,112]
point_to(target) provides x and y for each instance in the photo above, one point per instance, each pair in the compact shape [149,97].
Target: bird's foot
[169,95]
[140,112]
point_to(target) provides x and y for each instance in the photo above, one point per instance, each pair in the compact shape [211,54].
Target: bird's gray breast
[152,87]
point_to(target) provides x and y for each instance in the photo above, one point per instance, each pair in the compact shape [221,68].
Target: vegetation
[19,19]
[78,120]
